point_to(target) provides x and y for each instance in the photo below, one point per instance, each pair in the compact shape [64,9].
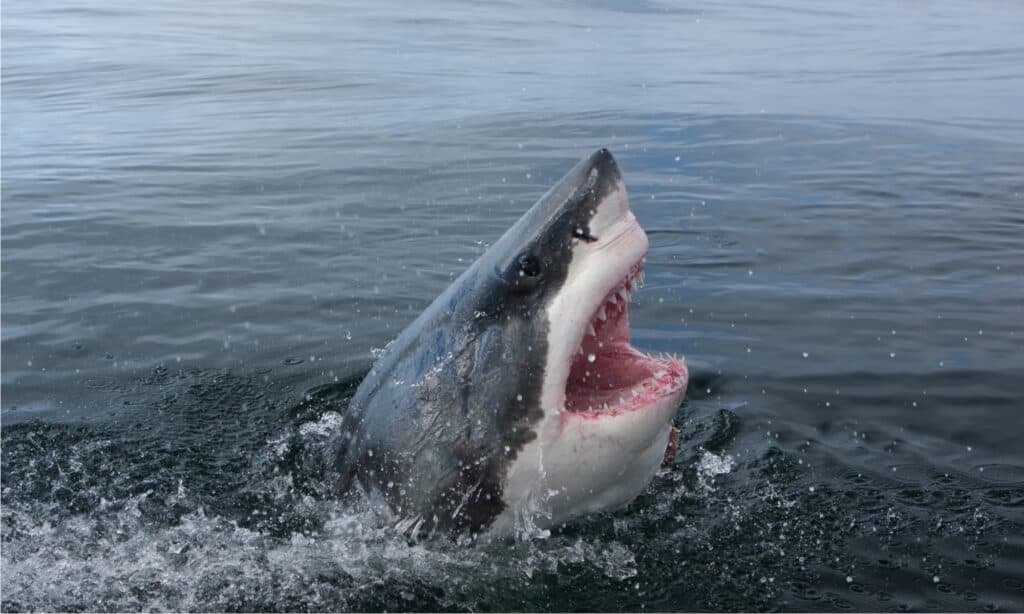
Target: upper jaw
[614,300]
[600,344]
[619,264]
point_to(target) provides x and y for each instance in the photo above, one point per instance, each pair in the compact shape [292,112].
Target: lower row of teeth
[644,386]
[636,391]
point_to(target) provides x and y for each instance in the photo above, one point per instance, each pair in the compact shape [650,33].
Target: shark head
[516,398]
[606,408]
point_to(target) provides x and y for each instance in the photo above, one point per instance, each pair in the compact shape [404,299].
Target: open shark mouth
[608,375]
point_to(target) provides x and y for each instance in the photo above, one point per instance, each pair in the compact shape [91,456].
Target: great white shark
[515,400]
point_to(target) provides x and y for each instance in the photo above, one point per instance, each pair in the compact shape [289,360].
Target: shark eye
[579,233]
[528,266]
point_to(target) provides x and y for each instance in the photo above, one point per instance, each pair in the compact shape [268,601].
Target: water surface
[212,217]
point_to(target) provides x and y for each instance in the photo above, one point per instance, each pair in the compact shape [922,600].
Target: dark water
[213,214]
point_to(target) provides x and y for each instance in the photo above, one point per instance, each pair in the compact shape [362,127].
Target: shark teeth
[614,305]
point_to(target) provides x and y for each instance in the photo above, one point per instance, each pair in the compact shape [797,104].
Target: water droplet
[591,358]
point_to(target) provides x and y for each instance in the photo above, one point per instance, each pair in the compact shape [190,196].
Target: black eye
[528,266]
[579,233]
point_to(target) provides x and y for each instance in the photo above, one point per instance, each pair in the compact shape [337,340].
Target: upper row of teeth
[623,294]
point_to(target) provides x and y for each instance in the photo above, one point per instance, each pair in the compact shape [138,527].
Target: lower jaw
[659,407]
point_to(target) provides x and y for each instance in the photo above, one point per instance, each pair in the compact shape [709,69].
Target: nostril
[579,233]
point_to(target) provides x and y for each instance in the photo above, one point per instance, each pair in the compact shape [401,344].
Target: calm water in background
[213,215]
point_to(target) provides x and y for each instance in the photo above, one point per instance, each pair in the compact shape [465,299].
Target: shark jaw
[608,376]
[608,408]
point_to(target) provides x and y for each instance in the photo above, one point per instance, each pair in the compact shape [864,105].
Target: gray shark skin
[444,414]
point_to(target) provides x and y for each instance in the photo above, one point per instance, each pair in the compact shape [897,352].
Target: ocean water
[213,215]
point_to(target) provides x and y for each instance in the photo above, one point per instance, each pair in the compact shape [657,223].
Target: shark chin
[515,401]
